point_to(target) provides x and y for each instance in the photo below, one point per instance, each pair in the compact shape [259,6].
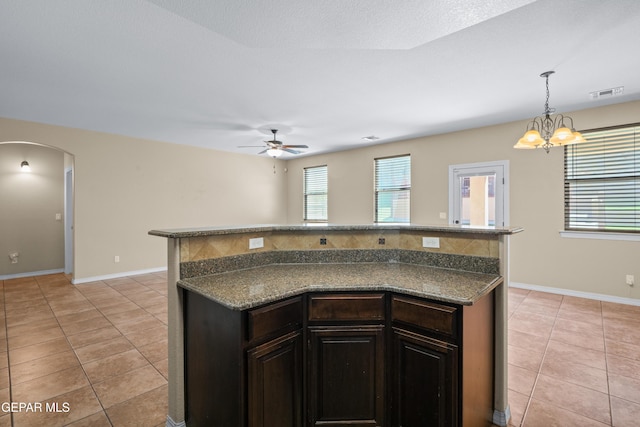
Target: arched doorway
[37,210]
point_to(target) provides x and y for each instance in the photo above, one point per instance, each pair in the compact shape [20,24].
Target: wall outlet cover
[430,242]
[256,243]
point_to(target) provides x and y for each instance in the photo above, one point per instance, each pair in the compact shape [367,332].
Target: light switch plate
[430,242]
[256,243]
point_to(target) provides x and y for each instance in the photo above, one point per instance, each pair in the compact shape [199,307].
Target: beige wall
[125,187]
[539,256]
[29,202]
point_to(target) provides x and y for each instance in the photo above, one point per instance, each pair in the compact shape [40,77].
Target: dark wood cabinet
[243,368]
[215,393]
[346,354]
[367,359]
[274,388]
[443,362]
[424,389]
[346,376]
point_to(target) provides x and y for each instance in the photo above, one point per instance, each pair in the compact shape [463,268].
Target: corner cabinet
[425,363]
[363,359]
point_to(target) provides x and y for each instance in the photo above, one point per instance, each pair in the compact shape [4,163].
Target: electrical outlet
[116,258]
[430,242]
[443,215]
[630,280]
[256,243]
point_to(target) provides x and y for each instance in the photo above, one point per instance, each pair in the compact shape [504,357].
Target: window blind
[602,181]
[393,189]
[315,193]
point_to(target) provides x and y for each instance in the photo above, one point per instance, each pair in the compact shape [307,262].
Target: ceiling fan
[275,148]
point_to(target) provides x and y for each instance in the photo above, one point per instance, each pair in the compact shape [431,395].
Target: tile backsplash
[209,247]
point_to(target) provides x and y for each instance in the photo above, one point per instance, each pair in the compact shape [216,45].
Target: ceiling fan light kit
[546,131]
[274,152]
[276,148]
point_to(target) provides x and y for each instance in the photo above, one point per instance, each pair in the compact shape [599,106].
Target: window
[392,189]
[602,181]
[315,193]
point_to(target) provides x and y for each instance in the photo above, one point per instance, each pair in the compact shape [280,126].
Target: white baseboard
[117,275]
[579,294]
[31,273]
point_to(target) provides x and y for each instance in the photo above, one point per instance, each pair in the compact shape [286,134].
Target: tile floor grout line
[6,330]
[538,373]
[123,335]
[47,291]
[606,364]
[542,363]
[66,337]
[134,346]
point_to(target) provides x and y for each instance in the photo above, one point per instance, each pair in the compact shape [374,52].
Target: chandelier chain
[547,109]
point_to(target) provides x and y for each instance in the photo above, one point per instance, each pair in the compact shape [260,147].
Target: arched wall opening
[36,210]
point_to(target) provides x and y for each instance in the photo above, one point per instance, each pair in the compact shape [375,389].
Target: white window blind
[315,193]
[393,189]
[602,181]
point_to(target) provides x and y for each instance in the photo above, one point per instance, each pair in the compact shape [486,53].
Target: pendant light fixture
[546,131]
[24,166]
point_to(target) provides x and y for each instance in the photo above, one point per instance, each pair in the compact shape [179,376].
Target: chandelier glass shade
[546,131]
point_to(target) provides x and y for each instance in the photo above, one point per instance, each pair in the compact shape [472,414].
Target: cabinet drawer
[267,320]
[426,315]
[346,307]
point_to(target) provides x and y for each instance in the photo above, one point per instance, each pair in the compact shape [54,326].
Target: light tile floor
[573,361]
[93,354]
[101,349]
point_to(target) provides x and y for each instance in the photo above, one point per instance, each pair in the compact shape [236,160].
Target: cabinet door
[346,376]
[275,382]
[425,381]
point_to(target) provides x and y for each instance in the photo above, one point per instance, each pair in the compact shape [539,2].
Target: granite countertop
[243,289]
[213,231]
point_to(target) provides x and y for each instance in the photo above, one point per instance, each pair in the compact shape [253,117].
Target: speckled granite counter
[217,231]
[248,288]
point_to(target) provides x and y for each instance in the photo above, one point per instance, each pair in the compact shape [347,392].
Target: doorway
[478,194]
[38,212]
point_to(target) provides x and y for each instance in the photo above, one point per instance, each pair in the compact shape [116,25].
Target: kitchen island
[403,274]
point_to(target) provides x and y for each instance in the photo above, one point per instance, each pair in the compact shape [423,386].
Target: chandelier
[546,131]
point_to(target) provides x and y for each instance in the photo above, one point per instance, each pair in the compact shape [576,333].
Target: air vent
[606,93]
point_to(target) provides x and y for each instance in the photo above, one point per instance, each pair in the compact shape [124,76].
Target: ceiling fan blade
[263,151]
[295,146]
[250,146]
[289,150]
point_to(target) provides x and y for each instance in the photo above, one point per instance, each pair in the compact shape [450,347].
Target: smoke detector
[606,93]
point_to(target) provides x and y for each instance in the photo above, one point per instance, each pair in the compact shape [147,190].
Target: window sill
[600,235]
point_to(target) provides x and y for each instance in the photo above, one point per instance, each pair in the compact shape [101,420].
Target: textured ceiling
[219,74]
